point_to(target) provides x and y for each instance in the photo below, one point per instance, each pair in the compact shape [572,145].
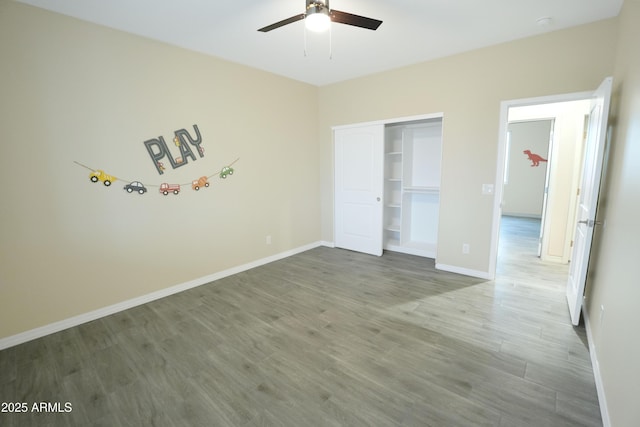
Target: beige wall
[70,91]
[468,89]
[613,282]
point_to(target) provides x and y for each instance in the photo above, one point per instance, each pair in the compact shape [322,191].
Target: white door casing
[589,192]
[359,169]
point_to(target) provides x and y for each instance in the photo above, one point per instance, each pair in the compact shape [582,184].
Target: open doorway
[526,179]
[548,212]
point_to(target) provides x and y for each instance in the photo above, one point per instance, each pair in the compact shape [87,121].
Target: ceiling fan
[318,17]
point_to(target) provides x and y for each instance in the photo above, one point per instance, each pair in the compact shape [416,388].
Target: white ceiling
[412,31]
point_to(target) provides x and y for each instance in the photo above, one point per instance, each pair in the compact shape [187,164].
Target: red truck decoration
[169,188]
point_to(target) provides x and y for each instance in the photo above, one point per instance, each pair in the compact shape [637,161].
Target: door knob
[378,199]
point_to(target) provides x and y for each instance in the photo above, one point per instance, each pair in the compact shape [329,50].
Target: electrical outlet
[268,240]
[466,248]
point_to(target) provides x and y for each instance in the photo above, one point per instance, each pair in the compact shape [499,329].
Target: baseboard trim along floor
[134,302]
[604,411]
[465,271]
[444,267]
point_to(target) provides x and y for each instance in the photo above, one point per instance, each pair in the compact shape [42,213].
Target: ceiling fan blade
[282,23]
[355,20]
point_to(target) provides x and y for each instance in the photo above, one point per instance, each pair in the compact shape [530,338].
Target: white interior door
[589,191]
[359,164]
[545,196]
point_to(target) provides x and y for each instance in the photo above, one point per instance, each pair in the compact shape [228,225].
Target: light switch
[487,189]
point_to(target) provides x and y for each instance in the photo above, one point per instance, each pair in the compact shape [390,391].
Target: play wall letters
[158,149]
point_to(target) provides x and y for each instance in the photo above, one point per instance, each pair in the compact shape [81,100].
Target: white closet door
[359,166]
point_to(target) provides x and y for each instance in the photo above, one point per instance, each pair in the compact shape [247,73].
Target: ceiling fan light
[317,22]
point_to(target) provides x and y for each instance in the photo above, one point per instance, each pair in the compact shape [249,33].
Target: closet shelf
[426,190]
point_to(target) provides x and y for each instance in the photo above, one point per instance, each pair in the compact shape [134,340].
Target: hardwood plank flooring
[327,337]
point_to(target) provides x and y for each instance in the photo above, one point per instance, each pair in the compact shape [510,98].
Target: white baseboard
[412,251]
[134,302]
[602,400]
[465,271]
[327,244]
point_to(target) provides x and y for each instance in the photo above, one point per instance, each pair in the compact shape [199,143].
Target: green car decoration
[226,171]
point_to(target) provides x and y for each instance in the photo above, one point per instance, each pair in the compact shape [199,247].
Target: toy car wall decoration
[99,175]
[227,170]
[135,186]
[164,188]
[203,181]
[169,188]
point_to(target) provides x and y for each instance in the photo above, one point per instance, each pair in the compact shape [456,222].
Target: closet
[410,153]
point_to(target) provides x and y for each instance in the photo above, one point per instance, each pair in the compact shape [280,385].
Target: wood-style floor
[325,338]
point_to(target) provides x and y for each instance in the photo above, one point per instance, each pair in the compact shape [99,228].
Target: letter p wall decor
[185,144]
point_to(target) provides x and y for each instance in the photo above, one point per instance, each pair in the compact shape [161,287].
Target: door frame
[502,148]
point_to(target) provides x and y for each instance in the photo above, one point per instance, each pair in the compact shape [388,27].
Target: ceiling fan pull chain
[305,40]
[330,42]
